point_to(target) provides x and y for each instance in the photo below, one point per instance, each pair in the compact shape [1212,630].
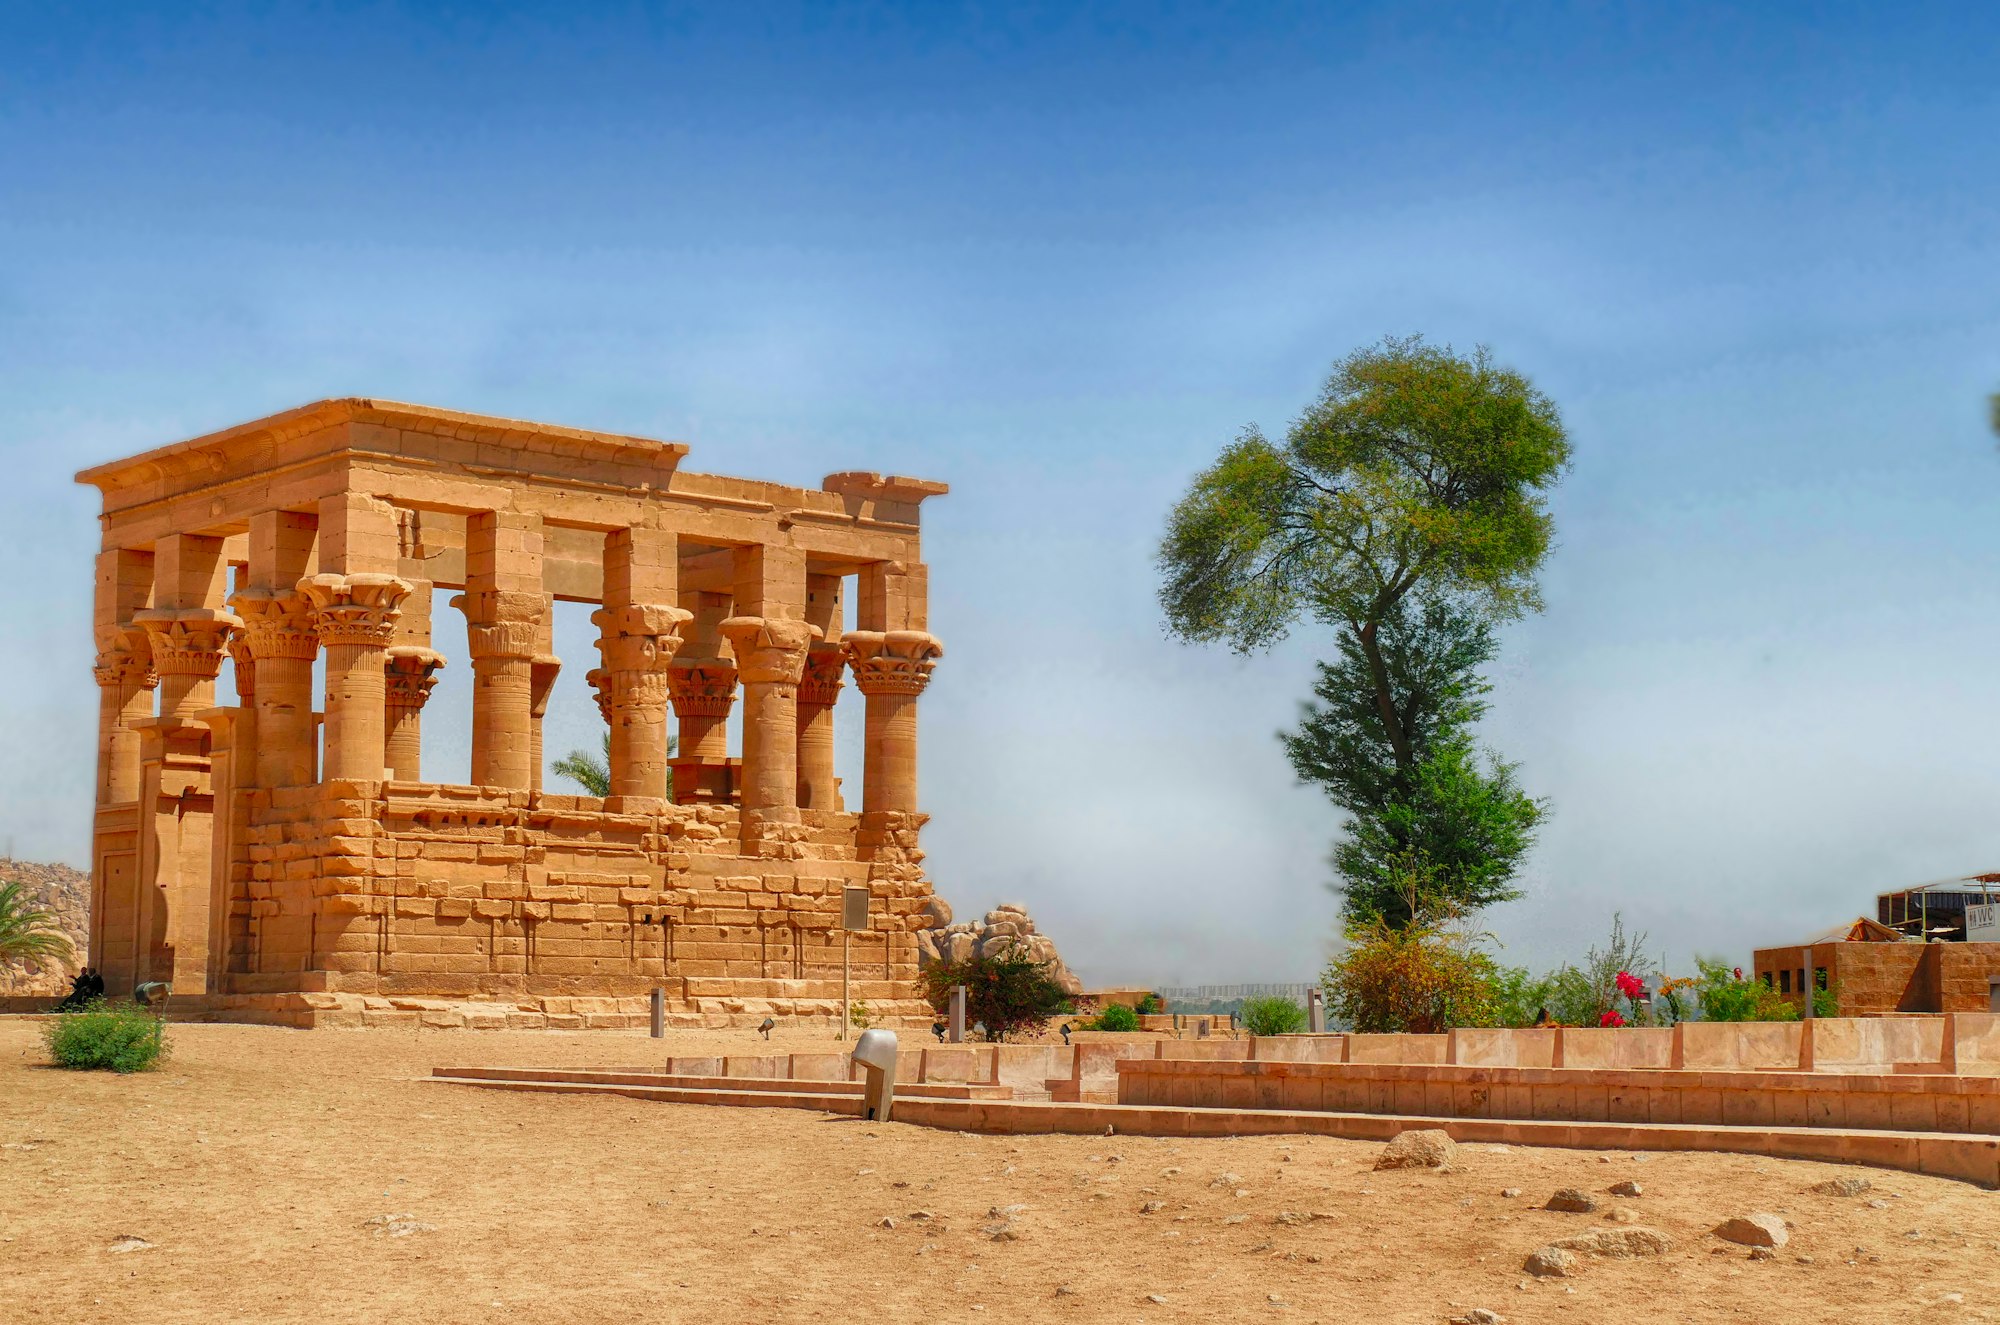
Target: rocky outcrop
[1004,927]
[65,893]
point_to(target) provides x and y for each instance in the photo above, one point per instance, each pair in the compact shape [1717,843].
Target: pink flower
[1611,1018]
[1630,985]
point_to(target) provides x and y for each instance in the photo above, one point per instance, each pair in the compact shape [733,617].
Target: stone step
[1973,1159]
[667,1081]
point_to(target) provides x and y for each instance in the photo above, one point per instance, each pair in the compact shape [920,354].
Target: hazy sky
[1057,257]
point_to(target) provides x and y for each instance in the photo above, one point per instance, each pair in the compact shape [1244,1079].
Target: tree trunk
[1399,740]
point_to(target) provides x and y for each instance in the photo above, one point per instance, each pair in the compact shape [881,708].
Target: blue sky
[1057,257]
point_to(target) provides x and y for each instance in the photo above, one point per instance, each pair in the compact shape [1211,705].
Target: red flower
[1630,985]
[1611,1018]
[1738,971]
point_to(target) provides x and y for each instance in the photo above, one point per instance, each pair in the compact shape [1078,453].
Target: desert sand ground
[255,1159]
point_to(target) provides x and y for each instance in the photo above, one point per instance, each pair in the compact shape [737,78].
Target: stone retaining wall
[1900,1102]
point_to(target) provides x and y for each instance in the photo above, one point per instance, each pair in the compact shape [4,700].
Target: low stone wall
[1967,1043]
[1024,1067]
[1889,1102]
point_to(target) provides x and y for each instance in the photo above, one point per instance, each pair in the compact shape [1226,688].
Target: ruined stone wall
[477,892]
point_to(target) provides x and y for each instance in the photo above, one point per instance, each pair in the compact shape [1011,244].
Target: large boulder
[1758,1230]
[1430,1148]
[1004,928]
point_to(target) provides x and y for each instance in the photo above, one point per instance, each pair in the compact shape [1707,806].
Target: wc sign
[1982,923]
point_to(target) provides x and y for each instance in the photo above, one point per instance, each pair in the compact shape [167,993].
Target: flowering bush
[1612,1017]
[1629,984]
[1671,989]
[1427,976]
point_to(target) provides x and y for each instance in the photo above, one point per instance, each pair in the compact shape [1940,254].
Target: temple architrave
[290,844]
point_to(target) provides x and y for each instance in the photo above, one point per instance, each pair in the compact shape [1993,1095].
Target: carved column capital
[502,623]
[702,689]
[542,673]
[895,662]
[640,637]
[821,683]
[410,672]
[360,609]
[125,659]
[769,651]
[188,641]
[277,623]
[599,682]
[641,692]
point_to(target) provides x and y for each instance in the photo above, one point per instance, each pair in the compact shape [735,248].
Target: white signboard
[1982,923]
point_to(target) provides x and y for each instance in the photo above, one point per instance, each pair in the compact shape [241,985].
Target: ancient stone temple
[290,844]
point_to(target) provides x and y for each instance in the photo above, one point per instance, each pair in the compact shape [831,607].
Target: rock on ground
[1571,1200]
[1617,1243]
[1626,1188]
[1430,1148]
[1758,1230]
[1551,1263]
[1842,1186]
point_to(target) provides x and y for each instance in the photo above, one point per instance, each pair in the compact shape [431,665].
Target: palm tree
[592,771]
[27,932]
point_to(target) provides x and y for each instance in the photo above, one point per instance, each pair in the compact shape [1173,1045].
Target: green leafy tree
[1408,509]
[1456,818]
[1007,992]
[591,770]
[28,932]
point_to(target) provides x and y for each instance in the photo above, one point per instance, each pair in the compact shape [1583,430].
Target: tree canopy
[1416,466]
[1408,508]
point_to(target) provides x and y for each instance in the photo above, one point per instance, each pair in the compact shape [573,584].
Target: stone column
[771,659]
[187,646]
[542,672]
[501,629]
[702,685]
[503,604]
[281,640]
[356,615]
[891,668]
[125,681]
[409,676]
[818,788]
[638,644]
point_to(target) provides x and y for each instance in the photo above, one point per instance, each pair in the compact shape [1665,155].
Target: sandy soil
[254,1161]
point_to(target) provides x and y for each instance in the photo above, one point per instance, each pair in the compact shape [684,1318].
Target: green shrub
[114,1037]
[1275,1015]
[1150,1006]
[1007,992]
[1118,1017]
[1726,997]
